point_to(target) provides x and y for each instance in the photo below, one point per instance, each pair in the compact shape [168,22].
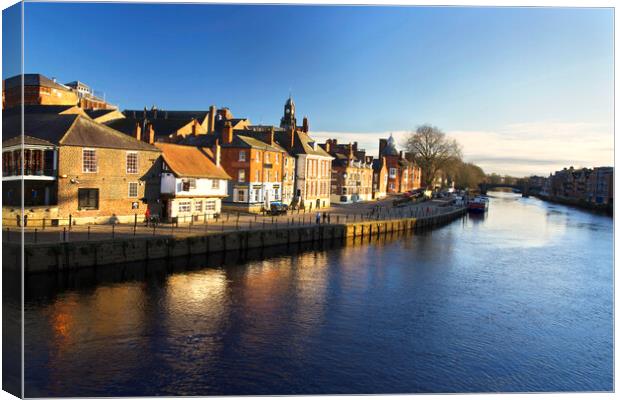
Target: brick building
[38,90]
[351,173]
[403,174]
[76,166]
[256,163]
[379,178]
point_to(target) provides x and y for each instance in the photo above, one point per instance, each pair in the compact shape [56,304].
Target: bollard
[35,235]
[135,222]
[88,232]
[113,226]
[70,220]
[64,234]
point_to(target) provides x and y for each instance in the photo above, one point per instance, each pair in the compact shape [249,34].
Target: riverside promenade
[48,252]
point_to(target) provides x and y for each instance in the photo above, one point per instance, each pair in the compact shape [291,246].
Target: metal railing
[65,229]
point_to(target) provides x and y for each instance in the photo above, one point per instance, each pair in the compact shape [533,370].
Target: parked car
[277,208]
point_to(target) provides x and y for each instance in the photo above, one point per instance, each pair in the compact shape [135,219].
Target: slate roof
[191,161]
[199,115]
[302,144]
[44,109]
[241,139]
[98,113]
[69,130]
[32,80]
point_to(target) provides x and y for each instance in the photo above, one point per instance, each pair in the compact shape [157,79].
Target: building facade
[352,173]
[193,183]
[77,168]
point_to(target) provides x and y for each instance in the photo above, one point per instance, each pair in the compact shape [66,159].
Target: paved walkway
[337,214]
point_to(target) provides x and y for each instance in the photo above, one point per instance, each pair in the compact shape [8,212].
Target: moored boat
[478,204]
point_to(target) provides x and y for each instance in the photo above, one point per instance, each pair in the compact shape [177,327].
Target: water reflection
[520,300]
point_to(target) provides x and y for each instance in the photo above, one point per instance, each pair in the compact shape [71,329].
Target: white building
[193,182]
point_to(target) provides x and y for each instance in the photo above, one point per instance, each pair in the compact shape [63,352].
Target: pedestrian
[329,218]
[147,216]
[318,217]
[324,217]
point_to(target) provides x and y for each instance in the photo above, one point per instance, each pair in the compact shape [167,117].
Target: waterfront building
[256,163]
[403,173]
[600,186]
[74,166]
[38,90]
[352,172]
[379,178]
[193,182]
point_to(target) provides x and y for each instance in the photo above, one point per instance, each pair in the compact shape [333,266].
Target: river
[520,299]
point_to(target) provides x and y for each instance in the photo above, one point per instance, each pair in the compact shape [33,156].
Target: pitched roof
[191,161]
[45,109]
[70,130]
[303,144]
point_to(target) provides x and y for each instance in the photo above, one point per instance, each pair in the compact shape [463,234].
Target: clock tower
[288,119]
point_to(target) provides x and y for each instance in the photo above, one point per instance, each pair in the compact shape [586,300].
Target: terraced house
[75,168]
[352,172]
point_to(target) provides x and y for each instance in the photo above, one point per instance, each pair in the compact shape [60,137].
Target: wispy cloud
[516,149]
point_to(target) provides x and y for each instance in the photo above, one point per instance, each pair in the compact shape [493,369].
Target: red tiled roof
[191,161]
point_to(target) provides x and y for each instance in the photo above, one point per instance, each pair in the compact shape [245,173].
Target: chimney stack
[382,145]
[305,126]
[227,134]
[218,153]
[350,155]
[138,131]
[211,120]
[194,123]
[291,137]
[151,133]
[400,155]
[270,136]
[328,145]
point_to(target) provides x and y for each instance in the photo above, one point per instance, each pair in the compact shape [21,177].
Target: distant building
[87,99]
[38,90]
[352,173]
[600,186]
[403,173]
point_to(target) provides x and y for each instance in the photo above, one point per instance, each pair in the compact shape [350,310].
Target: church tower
[288,119]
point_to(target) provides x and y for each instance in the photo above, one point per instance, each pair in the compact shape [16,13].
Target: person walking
[324,217]
[329,218]
[318,217]
[147,216]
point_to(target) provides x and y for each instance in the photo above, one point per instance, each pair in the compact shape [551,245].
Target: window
[242,155]
[267,158]
[276,178]
[392,172]
[88,199]
[391,186]
[215,184]
[89,160]
[198,205]
[132,162]
[257,195]
[188,184]
[185,206]
[276,158]
[164,166]
[210,205]
[257,156]
[133,189]
[241,177]
[257,176]
[286,161]
[240,195]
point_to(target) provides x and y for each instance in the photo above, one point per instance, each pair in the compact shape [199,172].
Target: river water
[520,299]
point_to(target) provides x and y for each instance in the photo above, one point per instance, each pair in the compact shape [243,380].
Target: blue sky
[356,72]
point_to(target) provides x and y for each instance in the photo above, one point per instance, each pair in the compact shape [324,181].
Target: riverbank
[607,209]
[50,257]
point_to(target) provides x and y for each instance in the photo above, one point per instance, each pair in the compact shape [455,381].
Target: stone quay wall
[73,255]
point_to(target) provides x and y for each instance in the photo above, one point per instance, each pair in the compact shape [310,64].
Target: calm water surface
[518,300]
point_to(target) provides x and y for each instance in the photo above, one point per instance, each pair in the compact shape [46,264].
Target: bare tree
[432,151]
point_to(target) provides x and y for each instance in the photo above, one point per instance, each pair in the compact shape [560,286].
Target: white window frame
[183,205]
[127,154]
[84,150]
[242,156]
[241,175]
[129,185]
[215,184]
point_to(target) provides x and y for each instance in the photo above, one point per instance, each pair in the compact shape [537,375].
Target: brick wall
[111,179]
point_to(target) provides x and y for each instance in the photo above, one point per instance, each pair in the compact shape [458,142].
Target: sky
[524,90]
